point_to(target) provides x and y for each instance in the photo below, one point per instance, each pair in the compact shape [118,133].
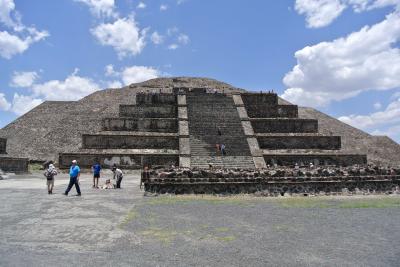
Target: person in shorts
[96,168]
[49,174]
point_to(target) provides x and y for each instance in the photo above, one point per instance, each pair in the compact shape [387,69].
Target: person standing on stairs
[223,152]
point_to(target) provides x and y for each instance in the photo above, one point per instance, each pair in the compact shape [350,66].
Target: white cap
[74,162]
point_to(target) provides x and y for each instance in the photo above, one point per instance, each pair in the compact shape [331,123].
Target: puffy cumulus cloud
[136,74]
[156,38]
[173,46]
[364,60]
[183,39]
[385,122]
[100,8]
[6,9]
[320,13]
[163,7]
[22,104]
[23,79]
[4,104]
[74,87]
[141,5]
[131,74]
[18,38]
[123,35]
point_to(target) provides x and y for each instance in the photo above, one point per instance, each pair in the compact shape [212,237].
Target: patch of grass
[130,216]
[35,167]
[370,203]
[163,235]
[207,199]
[299,202]
[222,229]
[226,238]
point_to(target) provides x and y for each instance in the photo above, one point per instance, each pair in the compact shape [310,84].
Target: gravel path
[124,228]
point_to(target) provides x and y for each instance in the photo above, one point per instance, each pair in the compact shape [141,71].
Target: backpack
[49,175]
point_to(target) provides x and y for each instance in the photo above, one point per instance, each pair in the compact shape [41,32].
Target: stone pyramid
[179,121]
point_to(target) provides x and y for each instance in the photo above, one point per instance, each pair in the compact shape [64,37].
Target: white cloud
[4,104]
[114,84]
[183,39]
[6,8]
[180,1]
[319,13]
[364,60]
[129,75]
[100,8]
[136,74]
[157,38]
[74,87]
[163,7]
[23,79]
[377,105]
[123,35]
[141,5]
[22,104]
[173,46]
[18,38]
[109,71]
[388,116]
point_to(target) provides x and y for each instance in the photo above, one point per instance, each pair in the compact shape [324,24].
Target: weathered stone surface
[316,159]
[299,142]
[181,100]
[164,125]
[156,99]
[161,111]
[126,160]
[262,125]
[184,146]
[184,162]
[3,145]
[16,165]
[182,113]
[247,128]
[99,141]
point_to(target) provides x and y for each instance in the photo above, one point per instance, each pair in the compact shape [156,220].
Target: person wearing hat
[49,174]
[74,173]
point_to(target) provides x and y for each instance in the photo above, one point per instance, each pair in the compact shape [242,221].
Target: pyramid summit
[179,121]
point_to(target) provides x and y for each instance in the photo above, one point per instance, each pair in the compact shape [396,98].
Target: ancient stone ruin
[11,164]
[180,122]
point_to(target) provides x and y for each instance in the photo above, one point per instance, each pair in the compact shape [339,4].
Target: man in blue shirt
[96,174]
[74,173]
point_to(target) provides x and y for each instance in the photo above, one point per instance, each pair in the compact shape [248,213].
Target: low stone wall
[263,99]
[316,159]
[161,111]
[3,145]
[299,142]
[17,165]
[164,125]
[278,111]
[124,161]
[265,188]
[275,181]
[99,141]
[155,99]
[285,125]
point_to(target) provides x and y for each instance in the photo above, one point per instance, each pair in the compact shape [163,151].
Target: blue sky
[340,56]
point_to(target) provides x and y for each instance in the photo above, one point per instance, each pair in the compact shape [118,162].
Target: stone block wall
[316,159]
[3,145]
[155,99]
[125,161]
[166,125]
[285,125]
[162,111]
[299,142]
[279,111]
[100,141]
[260,99]
[16,165]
